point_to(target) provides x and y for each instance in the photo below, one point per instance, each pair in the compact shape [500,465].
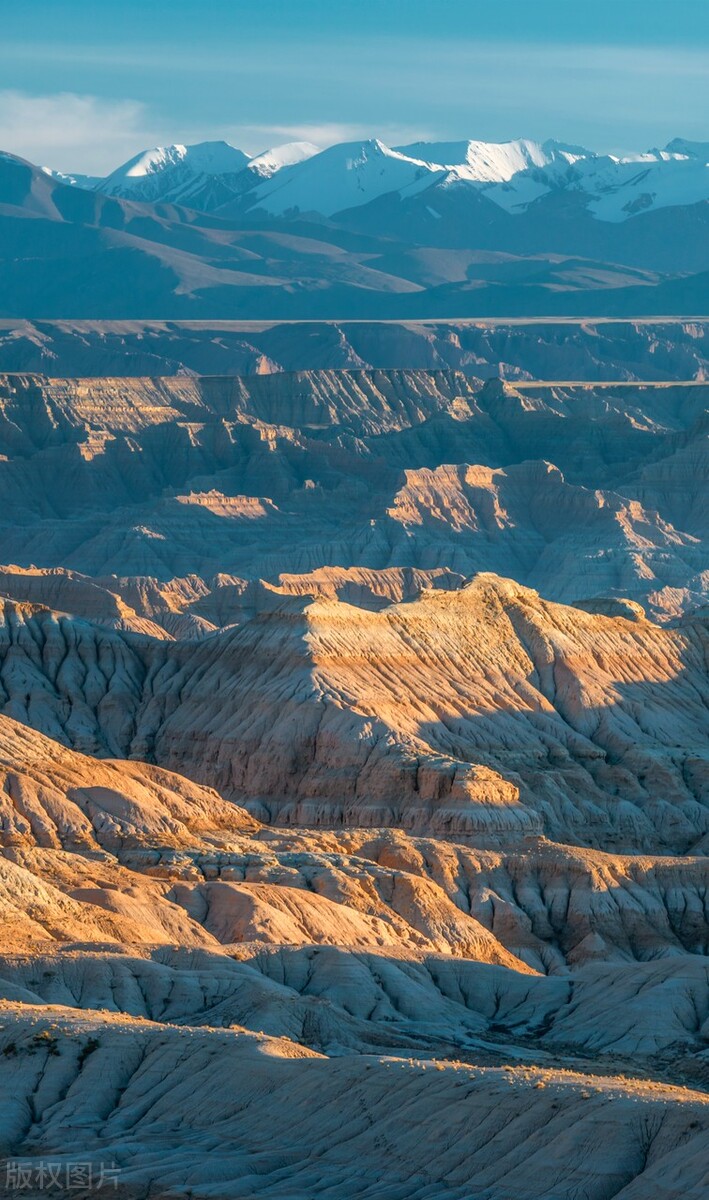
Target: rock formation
[482,711]
[155,935]
[354,818]
[589,350]
[171,487]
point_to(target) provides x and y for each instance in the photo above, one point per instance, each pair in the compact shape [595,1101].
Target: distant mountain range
[300,178]
[360,230]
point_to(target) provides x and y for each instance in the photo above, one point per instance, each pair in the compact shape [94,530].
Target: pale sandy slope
[162,949]
[481,712]
[290,1123]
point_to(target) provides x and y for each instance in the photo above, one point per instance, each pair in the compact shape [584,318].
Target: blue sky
[86,83]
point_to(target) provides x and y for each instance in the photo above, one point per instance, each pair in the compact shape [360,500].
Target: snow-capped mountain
[205,176]
[343,176]
[300,178]
[75,179]
[196,175]
[493,162]
[513,175]
[614,188]
[267,164]
[399,237]
[205,158]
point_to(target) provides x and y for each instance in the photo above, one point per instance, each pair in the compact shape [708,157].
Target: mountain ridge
[70,252]
[616,185]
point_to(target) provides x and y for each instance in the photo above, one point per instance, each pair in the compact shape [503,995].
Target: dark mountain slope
[70,253]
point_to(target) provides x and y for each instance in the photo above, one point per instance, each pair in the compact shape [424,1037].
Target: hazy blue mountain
[410,238]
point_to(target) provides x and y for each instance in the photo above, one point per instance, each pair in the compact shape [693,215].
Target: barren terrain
[354,803]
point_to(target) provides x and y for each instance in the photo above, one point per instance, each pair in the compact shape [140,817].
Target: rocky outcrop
[55,799]
[147,847]
[588,351]
[464,712]
[480,712]
[142,487]
[154,934]
[297,814]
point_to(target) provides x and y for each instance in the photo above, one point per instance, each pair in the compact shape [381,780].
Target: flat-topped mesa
[368,588]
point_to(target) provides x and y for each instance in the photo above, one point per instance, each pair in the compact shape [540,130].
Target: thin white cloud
[71,132]
[321,134]
[400,91]
[91,135]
